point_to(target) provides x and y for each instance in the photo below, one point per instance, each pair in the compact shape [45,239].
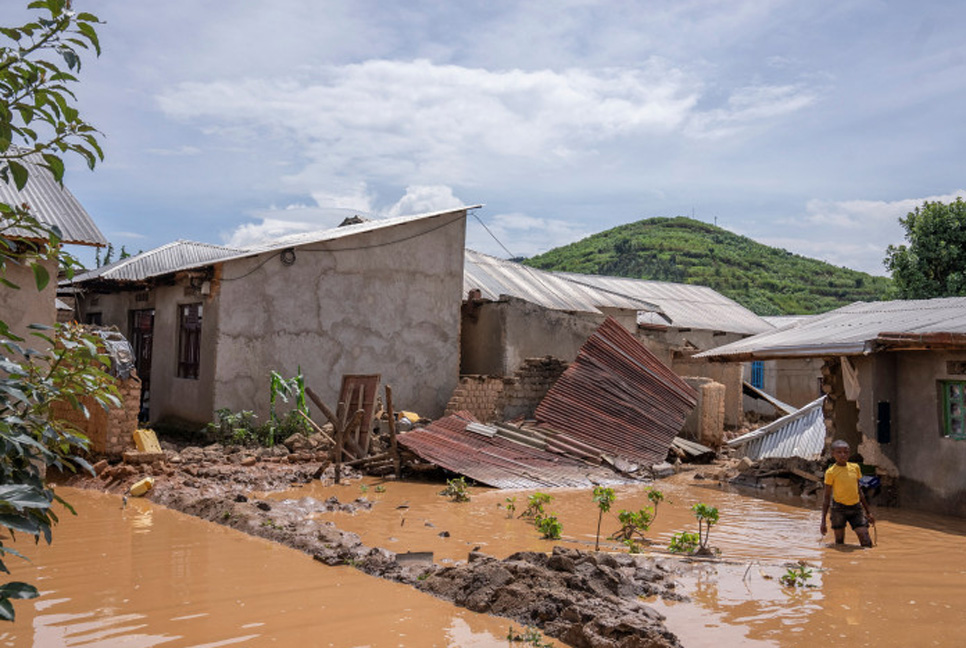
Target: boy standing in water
[847,500]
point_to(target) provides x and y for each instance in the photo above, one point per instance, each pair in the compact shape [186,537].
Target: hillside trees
[39,123]
[933,264]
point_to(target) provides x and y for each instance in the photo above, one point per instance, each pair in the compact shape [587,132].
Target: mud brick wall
[498,398]
[110,431]
[705,423]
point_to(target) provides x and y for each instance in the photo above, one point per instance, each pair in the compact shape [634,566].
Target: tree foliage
[933,264]
[38,124]
[766,280]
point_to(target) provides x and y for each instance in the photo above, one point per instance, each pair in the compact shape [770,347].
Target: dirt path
[585,599]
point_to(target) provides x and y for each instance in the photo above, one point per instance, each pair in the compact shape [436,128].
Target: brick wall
[110,431]
[498,398]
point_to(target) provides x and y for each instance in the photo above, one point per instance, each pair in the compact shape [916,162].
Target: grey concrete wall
[385,301]
[183,398]
[20,308]
[482,340]
[533,331]
[931,467]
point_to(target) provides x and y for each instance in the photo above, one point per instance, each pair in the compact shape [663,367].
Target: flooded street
[147,576]
[909,590]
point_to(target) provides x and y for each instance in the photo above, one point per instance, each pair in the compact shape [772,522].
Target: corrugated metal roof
[800,434]
[618,397]
[495,277]
[185,255]
[686,305]
[497,461]
[781,321]
[52,204]
[159,261]
[851,330]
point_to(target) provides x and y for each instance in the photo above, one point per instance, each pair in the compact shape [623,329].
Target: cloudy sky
[811,125]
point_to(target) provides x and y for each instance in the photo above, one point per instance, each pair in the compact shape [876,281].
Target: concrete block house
[895,376]
[209,324]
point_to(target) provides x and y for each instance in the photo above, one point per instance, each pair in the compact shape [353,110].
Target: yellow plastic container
[146,441]
[141,487]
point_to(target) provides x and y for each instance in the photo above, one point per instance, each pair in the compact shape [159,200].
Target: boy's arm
[825,505]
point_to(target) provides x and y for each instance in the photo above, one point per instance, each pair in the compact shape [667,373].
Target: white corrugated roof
[799,434]
[52,204]
[494,277]
[850,330]
[686,305]
[185,255]
[159,261]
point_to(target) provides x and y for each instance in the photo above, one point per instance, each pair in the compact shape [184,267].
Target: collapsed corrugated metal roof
[685,305]
[489,458]
[495,277]
[619,398]
[856,329]
[781,407]
[799,434]
[51,203]
[161,260]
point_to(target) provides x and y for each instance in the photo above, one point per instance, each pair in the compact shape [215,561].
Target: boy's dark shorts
[841,514]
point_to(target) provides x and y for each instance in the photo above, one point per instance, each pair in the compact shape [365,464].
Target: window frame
[948,399]
[189,340]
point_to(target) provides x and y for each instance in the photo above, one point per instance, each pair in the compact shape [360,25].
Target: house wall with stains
[931,466]
[171,397]
[24,306]
[386,302]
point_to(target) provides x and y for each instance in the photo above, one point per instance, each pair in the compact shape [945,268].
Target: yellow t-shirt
[844,481]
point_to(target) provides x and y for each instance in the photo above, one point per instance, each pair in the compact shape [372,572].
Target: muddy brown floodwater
[143,575]
[910,590]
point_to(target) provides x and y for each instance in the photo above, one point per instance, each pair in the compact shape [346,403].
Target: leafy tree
[603,498]
[934,262]
[38,124]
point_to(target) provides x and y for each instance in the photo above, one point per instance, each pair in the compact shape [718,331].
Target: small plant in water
[535,504]
[511,506]
[363,488]
[633,547]
[457,490]
[603,498]
[707,518]
[796,576]
[549,526]
[634,523]
[529,636]
[684,542]
[380,489]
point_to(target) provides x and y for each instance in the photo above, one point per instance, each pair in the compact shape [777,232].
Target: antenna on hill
[715,221]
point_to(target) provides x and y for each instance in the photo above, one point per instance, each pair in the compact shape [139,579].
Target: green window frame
[954,409]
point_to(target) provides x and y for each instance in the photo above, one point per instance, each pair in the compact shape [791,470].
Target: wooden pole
[394,448]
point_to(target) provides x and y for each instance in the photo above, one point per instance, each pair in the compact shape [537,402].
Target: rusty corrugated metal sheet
[497,461]
[619,398]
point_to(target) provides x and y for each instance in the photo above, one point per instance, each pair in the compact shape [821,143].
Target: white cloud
[332,209]
[518,234]
[751,106]
[851,233]
[175,152]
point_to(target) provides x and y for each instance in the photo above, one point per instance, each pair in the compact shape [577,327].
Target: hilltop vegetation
[766,280]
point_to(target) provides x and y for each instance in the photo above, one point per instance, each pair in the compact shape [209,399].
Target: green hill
[766,280]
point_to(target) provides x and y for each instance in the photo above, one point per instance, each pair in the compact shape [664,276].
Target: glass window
[189,340]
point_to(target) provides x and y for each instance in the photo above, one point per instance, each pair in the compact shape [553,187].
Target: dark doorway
[142,334]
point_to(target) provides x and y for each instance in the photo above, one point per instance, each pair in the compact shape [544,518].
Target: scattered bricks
[136,458]
[100,466]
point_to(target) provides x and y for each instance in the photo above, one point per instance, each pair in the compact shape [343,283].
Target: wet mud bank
[584,599]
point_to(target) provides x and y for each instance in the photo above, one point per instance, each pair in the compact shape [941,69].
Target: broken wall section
[497,398]
[110,431]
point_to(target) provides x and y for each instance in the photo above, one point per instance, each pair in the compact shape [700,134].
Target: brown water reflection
[908,591]
[146,576]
